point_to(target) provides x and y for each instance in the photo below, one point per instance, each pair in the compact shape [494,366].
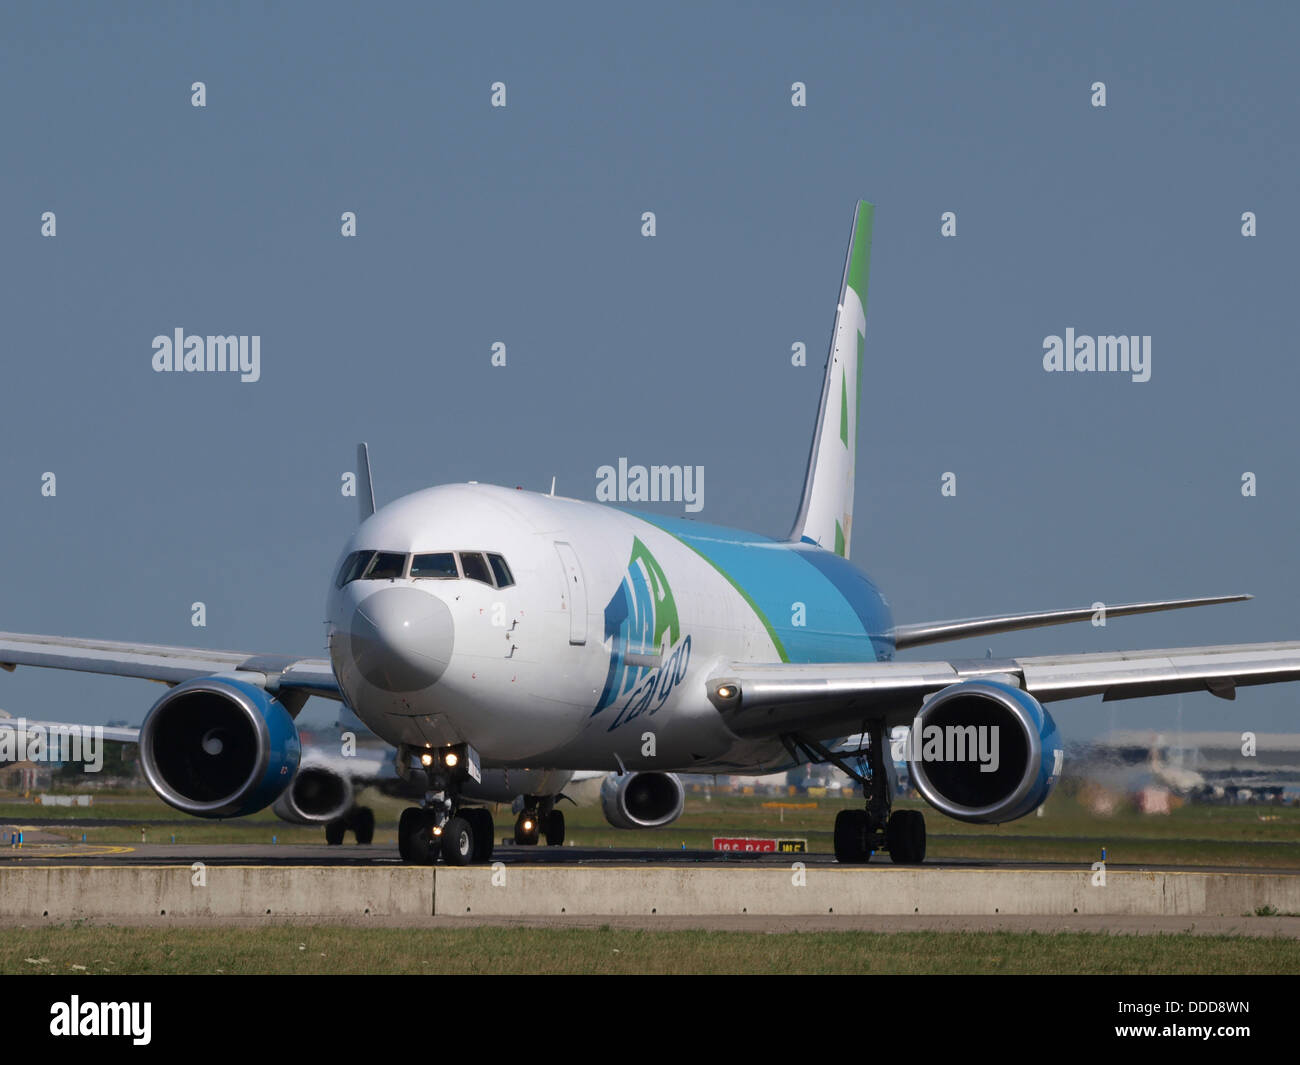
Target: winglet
[365,486]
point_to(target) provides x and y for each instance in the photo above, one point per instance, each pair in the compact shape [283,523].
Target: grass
[328,949]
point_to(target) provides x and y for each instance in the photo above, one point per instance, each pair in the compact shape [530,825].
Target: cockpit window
[385,566]
[352,567]
[475,567]
[441,566]
[501,571]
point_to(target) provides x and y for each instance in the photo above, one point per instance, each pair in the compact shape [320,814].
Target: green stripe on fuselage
[758,612]
[807,617]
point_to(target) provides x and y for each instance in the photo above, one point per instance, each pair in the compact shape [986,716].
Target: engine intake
[984,752]
[316,796]
[213,747]
[642,800]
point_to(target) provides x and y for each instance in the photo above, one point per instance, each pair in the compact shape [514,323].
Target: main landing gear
[539,816]
[860,833]
[359,820]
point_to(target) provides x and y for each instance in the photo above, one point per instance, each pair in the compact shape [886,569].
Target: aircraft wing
[170,665]
[114,733]
[832,699]
[962,628]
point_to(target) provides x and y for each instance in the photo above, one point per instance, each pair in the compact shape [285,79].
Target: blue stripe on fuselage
[846,618]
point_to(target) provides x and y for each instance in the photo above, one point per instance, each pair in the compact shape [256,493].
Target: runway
[42,848]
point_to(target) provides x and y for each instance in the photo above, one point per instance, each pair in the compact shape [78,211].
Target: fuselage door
[575,593]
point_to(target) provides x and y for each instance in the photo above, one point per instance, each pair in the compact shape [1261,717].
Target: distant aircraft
[501,640]
[1201,765]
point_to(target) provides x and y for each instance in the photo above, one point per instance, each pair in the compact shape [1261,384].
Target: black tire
[554,828]
[458,841]
[525,837]
[363,824]
[334,831]
[851,837]
[411,827]
[905,834]
[480,820]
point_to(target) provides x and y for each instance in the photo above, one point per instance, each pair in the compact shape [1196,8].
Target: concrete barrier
[794,891]
[67,892]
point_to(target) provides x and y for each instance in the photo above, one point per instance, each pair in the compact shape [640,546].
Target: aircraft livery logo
[646,659]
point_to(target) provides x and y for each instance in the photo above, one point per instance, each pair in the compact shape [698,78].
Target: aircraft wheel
[554,828]
[905,834]
[480,820]
[413,836]
[851,837]
[363,824]
[457,841]
[526,829]
[334,831]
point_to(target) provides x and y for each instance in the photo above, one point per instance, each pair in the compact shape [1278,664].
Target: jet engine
[642,800]
[214,747]
[984,752]
[317,795]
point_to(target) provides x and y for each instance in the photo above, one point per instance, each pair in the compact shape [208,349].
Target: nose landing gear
[425,834]
[442,827]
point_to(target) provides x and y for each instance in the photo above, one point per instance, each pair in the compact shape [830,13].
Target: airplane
[502,640]
[1205,765]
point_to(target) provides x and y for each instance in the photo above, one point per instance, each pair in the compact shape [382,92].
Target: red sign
[753,846]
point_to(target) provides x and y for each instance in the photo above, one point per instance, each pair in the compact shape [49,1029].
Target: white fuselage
[527,674]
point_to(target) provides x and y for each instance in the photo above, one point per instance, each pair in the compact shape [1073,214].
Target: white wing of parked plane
[833,699]
[292,678]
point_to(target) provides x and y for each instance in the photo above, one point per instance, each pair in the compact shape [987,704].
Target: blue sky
[522,225]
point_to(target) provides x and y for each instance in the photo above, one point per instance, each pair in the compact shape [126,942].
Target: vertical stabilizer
[365,487]
[826,512]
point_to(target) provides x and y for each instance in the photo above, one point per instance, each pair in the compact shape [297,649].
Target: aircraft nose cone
[401,639]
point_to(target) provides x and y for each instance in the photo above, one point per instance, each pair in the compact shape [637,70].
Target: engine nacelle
[317,795]
[985,752]
[642,800]
[214,747]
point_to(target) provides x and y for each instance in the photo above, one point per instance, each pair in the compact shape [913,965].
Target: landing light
[426,759]
[528,826]
[726,691]
[437,831]
[451,759]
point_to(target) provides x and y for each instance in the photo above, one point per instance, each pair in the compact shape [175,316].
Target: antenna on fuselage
[552,484]
[365,486]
